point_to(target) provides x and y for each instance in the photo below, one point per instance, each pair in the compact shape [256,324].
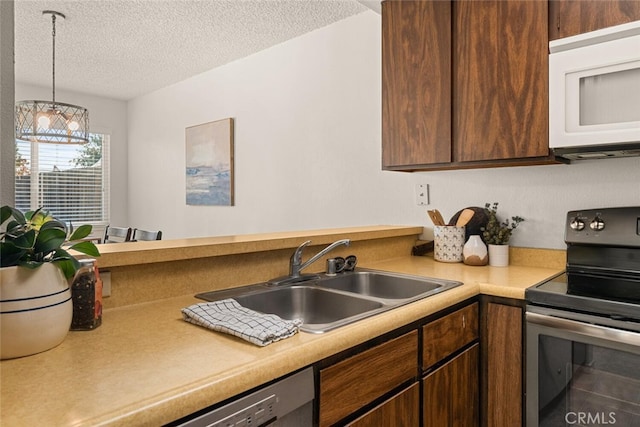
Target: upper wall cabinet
[416,83]
[500,70]
[571,17]
[464,84]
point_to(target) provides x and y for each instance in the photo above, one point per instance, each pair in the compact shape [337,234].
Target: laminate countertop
[146,366]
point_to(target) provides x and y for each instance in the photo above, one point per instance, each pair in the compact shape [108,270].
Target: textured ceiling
[125,48]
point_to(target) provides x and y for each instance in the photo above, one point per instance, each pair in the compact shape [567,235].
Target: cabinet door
[436,397]
[402,410]
[416,82]
[571,17]
[502,340]
[500,69]
[450,393]
[357,381]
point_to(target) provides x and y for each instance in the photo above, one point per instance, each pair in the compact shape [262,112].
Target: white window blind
[70,181]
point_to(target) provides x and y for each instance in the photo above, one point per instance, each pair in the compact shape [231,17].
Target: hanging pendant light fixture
[51,121]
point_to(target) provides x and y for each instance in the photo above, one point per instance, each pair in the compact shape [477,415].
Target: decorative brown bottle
[86,293]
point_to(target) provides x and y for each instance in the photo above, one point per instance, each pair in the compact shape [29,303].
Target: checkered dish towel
[230,317]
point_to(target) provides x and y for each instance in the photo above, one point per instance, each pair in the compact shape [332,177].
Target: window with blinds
[71,181]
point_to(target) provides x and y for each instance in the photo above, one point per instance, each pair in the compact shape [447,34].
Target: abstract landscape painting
[209,163]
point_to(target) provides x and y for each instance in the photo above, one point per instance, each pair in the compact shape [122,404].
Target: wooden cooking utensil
[434,217]
[464,217]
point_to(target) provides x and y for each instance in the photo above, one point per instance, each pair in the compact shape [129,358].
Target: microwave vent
[596,152]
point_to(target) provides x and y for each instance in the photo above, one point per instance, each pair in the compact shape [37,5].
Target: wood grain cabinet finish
[464,84]
[450,393]
[503,363]
[570,17]
[448,334]
[500,106]
[416,82]
[402,410]
[357,381]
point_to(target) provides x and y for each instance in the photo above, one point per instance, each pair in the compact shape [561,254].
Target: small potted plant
[35,273]
[496,235]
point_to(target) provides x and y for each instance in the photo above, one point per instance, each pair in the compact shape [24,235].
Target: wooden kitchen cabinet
[380,386]
[402,410]
[481,100]
[355,382]
[500,98]
[570,17]
[450,393]
[416,83]
[448,334]
[502,371]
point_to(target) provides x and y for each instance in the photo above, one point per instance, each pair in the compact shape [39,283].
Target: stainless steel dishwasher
[286,403]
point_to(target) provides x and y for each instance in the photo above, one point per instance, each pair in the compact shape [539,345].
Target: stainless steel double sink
[329,302]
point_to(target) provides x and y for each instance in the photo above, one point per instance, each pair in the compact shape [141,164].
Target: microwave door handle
[586,329]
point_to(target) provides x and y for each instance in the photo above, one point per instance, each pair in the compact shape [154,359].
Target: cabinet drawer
[442,337]
[352,383]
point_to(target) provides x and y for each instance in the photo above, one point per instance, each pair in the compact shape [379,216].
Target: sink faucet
[296,265]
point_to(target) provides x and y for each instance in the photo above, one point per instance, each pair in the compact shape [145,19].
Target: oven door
[579,373]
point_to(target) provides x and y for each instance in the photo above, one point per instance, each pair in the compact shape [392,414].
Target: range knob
[576,224]
[597,224]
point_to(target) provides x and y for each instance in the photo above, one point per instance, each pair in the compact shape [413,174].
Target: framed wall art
[209,163]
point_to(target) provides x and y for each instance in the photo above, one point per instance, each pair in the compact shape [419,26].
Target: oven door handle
[587,329]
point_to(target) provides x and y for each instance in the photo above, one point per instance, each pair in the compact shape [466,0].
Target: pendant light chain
[53,71]
[54,17]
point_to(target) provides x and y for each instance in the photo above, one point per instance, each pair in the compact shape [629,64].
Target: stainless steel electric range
[583,326]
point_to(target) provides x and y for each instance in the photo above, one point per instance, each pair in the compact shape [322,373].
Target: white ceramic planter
[499,255]
[35,310]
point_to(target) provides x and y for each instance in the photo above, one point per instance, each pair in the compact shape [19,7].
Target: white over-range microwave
[594,94]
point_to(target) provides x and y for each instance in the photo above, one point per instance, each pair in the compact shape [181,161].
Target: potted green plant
[496,234]
[36,268]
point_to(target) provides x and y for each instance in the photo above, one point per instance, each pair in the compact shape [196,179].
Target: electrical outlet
[422,194]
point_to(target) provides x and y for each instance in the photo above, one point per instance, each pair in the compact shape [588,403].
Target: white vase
[475,251]
[35,310]
[498,255]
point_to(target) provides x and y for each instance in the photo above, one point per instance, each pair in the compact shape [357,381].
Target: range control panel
[606,227]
